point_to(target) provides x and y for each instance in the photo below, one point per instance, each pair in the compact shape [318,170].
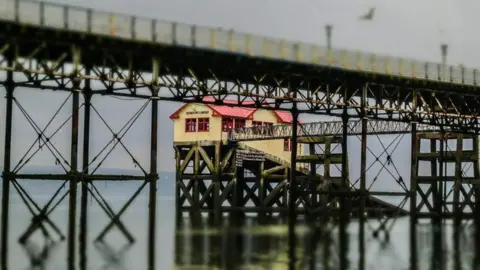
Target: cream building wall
[196,111]
[274,147]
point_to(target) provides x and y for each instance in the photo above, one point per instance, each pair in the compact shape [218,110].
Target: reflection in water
[263,244]
[201,245]
[114,258]
[250,243]
[39,256]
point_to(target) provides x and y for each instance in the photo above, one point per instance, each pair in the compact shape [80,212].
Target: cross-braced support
[447,173]
[70,169]
[205,177]
[324,163]
[327,154]
[250,180]
[447,176]
[377,163]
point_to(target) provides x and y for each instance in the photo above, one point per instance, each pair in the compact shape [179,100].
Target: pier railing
[177,34]
[327,128]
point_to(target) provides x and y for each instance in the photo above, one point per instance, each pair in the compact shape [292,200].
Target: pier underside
[218,177]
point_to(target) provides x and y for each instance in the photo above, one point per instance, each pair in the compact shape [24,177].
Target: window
[267,124]
[230,123]
[287,145]
[227,124]
[203,124]
[190,125]
[239,123]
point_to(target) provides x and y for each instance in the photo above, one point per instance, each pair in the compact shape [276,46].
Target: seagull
[368,16]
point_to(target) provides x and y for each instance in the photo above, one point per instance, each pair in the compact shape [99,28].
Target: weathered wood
[444,135]
[204,195]
[450,156]
[274,170]
[321,158]
[320,139]
[209,180]
[196,143]
[430,206]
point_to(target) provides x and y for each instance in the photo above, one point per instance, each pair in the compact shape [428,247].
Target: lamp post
[328,31]
[444,51]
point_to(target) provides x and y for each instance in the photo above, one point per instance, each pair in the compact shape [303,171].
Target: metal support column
[363,179]
[313,183]
[344,210]
[72,211]
[413,185]
[456,204]
[293,186]
[238,196]
[153,177]
[438,205]
[87,97]
[6,175]
[476,211]
[216,191]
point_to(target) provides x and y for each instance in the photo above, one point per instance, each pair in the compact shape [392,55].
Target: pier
[70,51]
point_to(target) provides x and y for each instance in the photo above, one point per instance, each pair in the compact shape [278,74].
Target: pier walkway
[142,30]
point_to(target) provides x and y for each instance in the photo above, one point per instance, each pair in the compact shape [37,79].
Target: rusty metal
[317,92]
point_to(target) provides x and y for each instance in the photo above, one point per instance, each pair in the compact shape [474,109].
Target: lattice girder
[308,131]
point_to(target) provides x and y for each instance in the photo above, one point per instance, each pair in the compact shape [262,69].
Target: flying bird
[368,16]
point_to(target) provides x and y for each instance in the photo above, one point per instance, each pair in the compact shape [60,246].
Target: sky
[411,29]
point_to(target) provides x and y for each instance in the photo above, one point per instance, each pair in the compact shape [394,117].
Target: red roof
[284,117]
[236,112]
[230,111]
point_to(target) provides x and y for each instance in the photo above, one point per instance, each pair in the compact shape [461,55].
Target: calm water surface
[197,245]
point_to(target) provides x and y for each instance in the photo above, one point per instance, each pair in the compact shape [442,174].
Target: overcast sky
[401,28]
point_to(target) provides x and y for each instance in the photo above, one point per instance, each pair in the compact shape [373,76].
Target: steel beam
[201,75]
